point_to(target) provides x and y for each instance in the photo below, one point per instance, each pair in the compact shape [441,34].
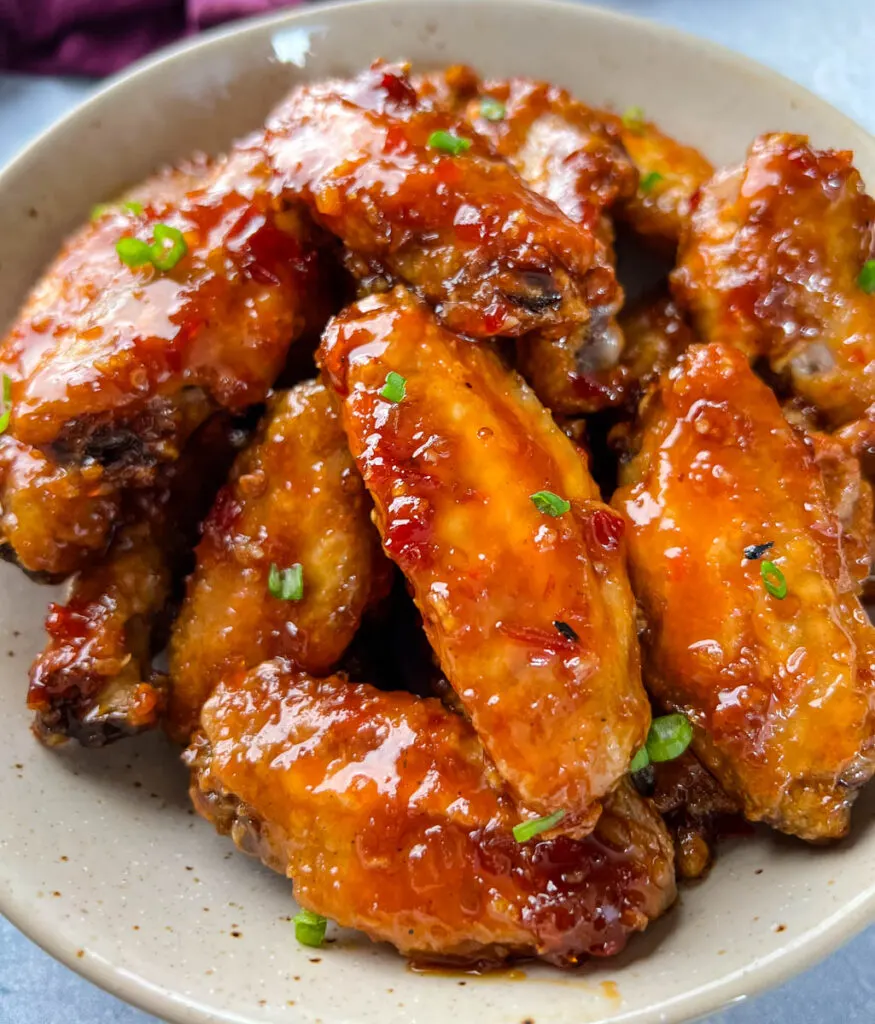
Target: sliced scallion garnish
[286,584]
[395,388]
[446,142]
[527,830]
[310,928]
[773,580]
[549,503]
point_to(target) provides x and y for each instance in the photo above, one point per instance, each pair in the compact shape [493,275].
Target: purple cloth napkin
[97,37]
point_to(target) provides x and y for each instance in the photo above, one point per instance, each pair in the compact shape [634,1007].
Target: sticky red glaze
[659,209]
[51,517]
[293,497]
[93,680]
[221,320]
[451,469]
[463,231]
[782,692]
[385,812]
[770,265]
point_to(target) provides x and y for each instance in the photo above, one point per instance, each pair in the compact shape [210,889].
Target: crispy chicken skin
[112,368]
[780,692]
[530,615]
[561,149]
[387,814]
[294,497]
[462,230]
[659,210]
[770,265]
[655,333]
[694,807]
[52,517]
[94,680]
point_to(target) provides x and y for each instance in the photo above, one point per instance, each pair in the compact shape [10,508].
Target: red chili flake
[607,528]
[398,89]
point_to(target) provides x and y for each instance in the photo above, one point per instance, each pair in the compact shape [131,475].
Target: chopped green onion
[6,408]
[132,206]
[649,180]
[133,252]
[640,761]
[286,584]
[565,630]
[527,830]
[633,118]
[166,257]
[395,388]
[446,142]
[549,503]
[310,928]
[99,210]
[773,580]
[668,738]
[866,280]
[756,551]
[492,109]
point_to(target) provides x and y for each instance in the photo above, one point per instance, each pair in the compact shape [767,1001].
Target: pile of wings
[451,773]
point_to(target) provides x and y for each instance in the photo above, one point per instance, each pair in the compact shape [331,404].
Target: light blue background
[827,46]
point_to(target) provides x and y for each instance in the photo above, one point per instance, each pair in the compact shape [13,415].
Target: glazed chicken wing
[113,366]
[524,594]
[94,680]
[294,499]
[772,265]
[669,174]
[753,627]
[387,814]
[561,149]
[417,195]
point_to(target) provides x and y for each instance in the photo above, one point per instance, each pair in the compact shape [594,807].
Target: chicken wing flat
[294,499]
[669,175]
[324,780]
[417,195]
[753,629]
[112,366]
[771,265]
[514,562]
[94,680]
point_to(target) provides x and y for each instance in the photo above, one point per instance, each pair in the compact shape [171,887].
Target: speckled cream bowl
[101,859]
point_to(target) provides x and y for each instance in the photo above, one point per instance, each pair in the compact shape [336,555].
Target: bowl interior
[101,859]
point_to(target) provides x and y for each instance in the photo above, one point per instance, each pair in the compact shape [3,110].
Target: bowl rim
[781,965]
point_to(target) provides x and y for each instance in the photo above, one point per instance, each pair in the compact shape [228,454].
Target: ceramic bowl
[101,860]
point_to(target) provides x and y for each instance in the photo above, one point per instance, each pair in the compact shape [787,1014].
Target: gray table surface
[827,47]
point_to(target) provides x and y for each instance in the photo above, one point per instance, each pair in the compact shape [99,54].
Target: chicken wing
[112,367]
[417,195]
[561,149]
[694,807]
[515,564]
[294,499]
[94,680]
[387,814]
[52,517]
[772,263]
[669,174]
[753,629]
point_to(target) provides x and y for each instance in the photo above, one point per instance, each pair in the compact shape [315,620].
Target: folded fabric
[98,37]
